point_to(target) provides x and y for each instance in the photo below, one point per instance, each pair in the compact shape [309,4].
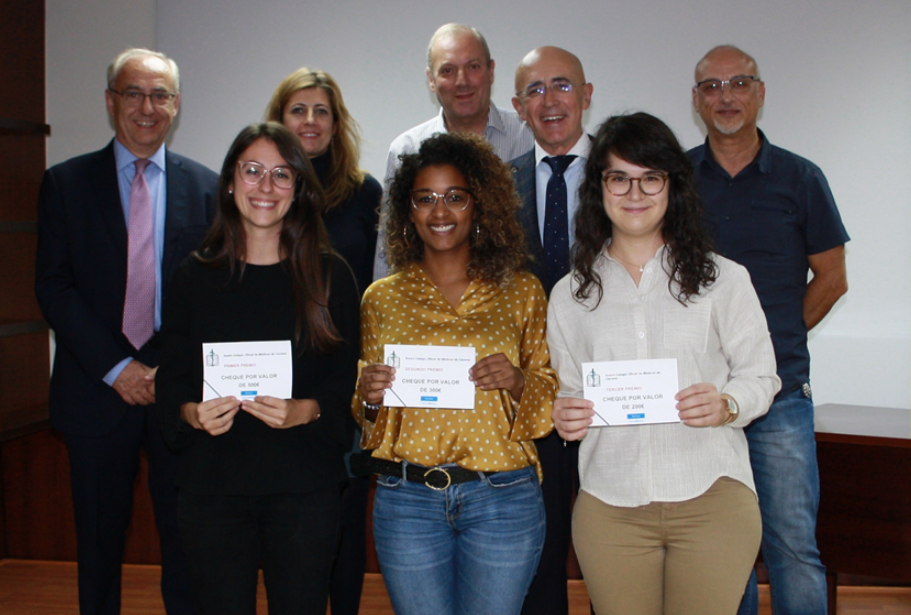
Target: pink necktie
[139,306]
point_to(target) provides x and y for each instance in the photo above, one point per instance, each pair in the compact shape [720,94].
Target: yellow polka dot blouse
[407,308]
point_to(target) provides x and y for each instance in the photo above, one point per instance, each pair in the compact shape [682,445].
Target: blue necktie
[556,220]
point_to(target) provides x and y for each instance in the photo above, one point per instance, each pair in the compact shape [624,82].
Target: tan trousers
[669,558]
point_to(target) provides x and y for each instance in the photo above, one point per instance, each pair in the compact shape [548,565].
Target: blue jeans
[470,549]
[783,455]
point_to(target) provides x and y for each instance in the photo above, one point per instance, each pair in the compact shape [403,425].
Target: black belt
[437,478]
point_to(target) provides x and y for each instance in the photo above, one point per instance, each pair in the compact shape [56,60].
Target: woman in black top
[310,104]
[259,480]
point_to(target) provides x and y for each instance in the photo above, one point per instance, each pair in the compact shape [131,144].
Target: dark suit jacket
[81,271]
[523,169]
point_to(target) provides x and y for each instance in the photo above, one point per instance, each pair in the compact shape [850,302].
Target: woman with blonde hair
[310,104]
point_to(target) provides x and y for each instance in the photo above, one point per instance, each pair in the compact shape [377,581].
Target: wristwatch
[733,408]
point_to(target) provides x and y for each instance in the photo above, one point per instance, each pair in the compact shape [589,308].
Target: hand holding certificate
[632,392]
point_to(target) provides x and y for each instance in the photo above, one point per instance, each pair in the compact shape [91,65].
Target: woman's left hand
[282,413]
[496,372]
[701,405]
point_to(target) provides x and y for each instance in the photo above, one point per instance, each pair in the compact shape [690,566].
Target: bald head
[726,53]
[456,30]
[551,94]
[553,56]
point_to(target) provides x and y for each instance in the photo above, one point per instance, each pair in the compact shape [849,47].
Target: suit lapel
[175,209]
[106,191]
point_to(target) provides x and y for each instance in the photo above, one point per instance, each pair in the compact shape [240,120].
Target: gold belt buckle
[448,479]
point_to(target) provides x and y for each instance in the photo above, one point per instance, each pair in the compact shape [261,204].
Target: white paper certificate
[632,392]
[430,376]
[246,369]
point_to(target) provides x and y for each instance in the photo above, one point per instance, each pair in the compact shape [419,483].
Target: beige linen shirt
[719,337]
[407,308]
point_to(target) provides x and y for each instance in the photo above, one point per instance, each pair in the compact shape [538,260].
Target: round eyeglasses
[619,184]
[252,173]
[455,199]
[135,98]
[736,85]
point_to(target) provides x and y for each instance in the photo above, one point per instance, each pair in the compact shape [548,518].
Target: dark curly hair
[303,238]
[497,250]
[645,141]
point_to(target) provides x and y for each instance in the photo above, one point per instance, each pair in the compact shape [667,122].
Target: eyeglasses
[736,85]
[540,89]
[620,184]
[135,98]
[456,199]
[252,173]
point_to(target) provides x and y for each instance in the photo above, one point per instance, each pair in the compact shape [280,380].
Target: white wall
[835,70]
[81,39]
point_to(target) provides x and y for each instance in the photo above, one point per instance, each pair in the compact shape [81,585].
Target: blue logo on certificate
[248,393]
[639,415]
[428,398]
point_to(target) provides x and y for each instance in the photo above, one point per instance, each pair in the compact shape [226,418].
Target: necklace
[641,268]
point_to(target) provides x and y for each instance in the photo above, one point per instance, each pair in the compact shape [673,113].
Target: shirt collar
[494,121]
[581,149]
[124,157]
[763,159]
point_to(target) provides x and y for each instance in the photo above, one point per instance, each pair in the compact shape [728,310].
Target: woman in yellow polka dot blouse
[458,519]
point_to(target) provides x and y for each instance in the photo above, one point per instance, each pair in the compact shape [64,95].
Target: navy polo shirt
[768,218]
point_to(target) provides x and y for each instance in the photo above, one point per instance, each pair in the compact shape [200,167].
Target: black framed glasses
[456,199]
[537,90]
[135,98]
[736,85]
[252,173]
[620,184]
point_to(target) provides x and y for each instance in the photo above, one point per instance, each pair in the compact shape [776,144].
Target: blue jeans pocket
[511,478]
[390,482]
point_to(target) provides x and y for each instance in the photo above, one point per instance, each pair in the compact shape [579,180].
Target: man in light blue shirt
[92,256]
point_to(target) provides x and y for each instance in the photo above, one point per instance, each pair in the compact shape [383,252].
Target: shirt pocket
[687,327]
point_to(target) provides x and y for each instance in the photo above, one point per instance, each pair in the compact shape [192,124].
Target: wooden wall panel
[39,505]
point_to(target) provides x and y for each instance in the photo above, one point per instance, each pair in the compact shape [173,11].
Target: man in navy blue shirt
[772,211]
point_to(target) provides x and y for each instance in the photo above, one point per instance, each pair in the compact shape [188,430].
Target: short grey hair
[453,29]
[136,52]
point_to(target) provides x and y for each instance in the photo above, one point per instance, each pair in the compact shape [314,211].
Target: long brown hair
[645,141]
[303,239]
[344,175]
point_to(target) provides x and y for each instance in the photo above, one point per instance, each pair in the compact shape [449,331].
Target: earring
[405,235]
[230,192]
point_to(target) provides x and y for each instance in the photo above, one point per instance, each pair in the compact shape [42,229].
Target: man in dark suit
[551,95]
[113,227]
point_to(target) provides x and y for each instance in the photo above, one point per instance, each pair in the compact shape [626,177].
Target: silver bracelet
[372,407]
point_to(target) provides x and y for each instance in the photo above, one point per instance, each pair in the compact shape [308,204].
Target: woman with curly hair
[667,519]
[458,518]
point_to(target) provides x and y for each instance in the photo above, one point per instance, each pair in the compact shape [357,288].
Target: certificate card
[632,392]
[430,376]
[246,369]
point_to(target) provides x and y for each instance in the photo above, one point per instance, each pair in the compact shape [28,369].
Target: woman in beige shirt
[666,521]
[458,519]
